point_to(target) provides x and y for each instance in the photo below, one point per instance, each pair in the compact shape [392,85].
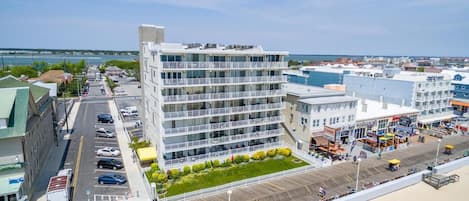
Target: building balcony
[222,65]
[222,111]
[221,126]
[221,140]
[222,96]
[186,82]
[220,155]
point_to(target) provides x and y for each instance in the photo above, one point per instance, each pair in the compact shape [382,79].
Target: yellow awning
[394,161]
[147,154]
[448,146]
[389,135]
[382,138]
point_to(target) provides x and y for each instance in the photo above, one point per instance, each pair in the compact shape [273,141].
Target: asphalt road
[340,178]
[86,125]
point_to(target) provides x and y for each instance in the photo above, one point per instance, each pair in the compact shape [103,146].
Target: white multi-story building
[312,110]
[428,92]
[209,101]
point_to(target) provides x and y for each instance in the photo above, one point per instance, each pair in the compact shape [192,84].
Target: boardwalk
[338,179]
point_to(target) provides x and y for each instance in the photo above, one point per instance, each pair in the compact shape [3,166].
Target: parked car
[112,179]
[105,118]
[108,151]
[102,132]
[110,163]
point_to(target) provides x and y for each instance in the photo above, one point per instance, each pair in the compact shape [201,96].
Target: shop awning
[147,154]
[383,139]
[460,103]
[320,140]
[394,161]
[432,119]
[389,135]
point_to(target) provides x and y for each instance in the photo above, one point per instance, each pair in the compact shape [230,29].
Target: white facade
[335,112]
[206,102]
[428,92]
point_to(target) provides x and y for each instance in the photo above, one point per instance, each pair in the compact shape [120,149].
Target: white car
[108,151]
[102,132]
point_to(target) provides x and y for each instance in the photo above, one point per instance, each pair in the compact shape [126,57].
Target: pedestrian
[354,159]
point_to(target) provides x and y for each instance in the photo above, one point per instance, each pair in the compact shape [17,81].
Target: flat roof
[179,48]
[306,91]
[326,100]
[11,183]
[375,110]
[57,183]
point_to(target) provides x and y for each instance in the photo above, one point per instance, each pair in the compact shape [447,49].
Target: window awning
[147,154]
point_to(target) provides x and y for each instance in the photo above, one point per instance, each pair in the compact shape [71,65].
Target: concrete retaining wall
[395,185]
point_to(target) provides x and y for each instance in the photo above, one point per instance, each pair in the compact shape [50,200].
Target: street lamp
[358,173]
[229,192]
[437,150]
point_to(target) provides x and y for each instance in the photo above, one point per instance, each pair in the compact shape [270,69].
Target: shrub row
[238,159]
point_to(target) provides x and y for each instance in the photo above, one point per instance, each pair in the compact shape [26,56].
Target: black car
[105,118]
[110,163]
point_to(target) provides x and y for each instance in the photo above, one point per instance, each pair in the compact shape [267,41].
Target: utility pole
[63,95]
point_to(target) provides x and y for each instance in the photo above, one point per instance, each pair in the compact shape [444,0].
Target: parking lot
[82,157]
[131,122]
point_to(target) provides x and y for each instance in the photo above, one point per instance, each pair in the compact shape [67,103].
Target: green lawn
[221,176]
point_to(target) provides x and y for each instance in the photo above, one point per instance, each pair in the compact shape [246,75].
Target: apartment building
[26,135]
[209,101]
[428,92]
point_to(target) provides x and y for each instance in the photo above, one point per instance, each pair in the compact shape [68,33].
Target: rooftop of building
[305,91]
[11,182]
[56,76]
[294,72]
[211,48]
[375,110]
[327,100]
[11,82]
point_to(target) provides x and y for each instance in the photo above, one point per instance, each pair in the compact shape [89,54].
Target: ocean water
[52,59]
[100,59]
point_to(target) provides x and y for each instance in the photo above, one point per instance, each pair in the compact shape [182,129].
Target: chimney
[402,102]
[380,99]
[385,106]
[364,107]
[363,101]
[353,94]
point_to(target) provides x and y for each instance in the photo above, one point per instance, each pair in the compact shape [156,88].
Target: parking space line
[106,142]
[100,146]
[105,138]
[114,157]
[110,186]
[109,170]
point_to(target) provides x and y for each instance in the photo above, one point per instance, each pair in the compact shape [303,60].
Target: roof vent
[210,45]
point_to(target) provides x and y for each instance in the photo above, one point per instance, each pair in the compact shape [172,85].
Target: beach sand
[422,191]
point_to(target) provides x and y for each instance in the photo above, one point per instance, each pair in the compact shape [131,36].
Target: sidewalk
[134,177]
[55,158]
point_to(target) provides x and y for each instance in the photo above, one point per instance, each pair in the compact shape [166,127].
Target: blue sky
[371,27]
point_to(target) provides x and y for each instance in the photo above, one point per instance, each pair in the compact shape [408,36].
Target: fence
[241,183]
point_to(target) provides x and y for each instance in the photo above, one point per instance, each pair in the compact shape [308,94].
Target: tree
[421,69]
[17,71]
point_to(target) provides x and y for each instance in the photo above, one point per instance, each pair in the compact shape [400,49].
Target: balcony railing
[221,140]
[219,154]
[222,95]
[225,110]
[221,80]
[221,125]
[224,65]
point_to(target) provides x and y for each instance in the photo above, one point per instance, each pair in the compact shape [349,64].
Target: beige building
[26,134]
